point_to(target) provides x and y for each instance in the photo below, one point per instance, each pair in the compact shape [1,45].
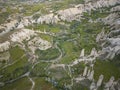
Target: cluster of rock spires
[89,74]
[110,42]
[25,35]
[21,35]
[69,15]
[88,58]
[75,13]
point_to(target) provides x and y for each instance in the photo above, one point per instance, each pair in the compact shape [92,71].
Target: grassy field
[41,84]
[15,70]
[107,68]
[48,54]
[22,83]
[71,52]
[54,28]
[65,4]
[16,53]
[40,70]
[33,8]
[46,37]
[3,17]
[78,69]
[59,77]
[88,32]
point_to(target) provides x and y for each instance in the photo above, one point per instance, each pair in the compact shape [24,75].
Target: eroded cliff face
[110,41]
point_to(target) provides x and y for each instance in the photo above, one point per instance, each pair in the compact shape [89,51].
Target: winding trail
[12,63]
[33,83]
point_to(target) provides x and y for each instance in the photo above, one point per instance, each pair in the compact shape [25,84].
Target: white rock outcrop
[38,43]
[109,83]
[99,82]
[8,26]
[21,35]
[90,77]
[5,56]
[4,46]
[85,71]
[82,53]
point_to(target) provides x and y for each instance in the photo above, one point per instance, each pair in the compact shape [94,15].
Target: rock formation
[4,46]
[21,35]
[99,82]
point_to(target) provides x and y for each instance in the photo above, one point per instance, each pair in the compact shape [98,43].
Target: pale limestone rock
[82,53]
[90,77]
[109,83]
[4,10]
[50,18]
[26,21]
[100,36]
[92,86]
[8,26]
[99,82]
[112,51]
[4,46]
[114,41]
[4,56]
[114,33]
[117,8]
[110,19]
[93,52]
[38,43]
[85,71]
[68,14]
[112,87]
[20,26]
[21,35]
[88,74]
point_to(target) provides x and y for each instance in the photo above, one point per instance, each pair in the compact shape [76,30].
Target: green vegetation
[62,82]
[96,14]
[107,68]
[3,17]
[88,32]
[58,73]
[40,70]
[46,37]
[65,4]
[41,84]
[48,54]
[15,70]
[56,28]
[16,52]
[32,8]
[23,83]
[59,77]
[71,52]
[116,60]
[83,85]
[78,69]
[7,12]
